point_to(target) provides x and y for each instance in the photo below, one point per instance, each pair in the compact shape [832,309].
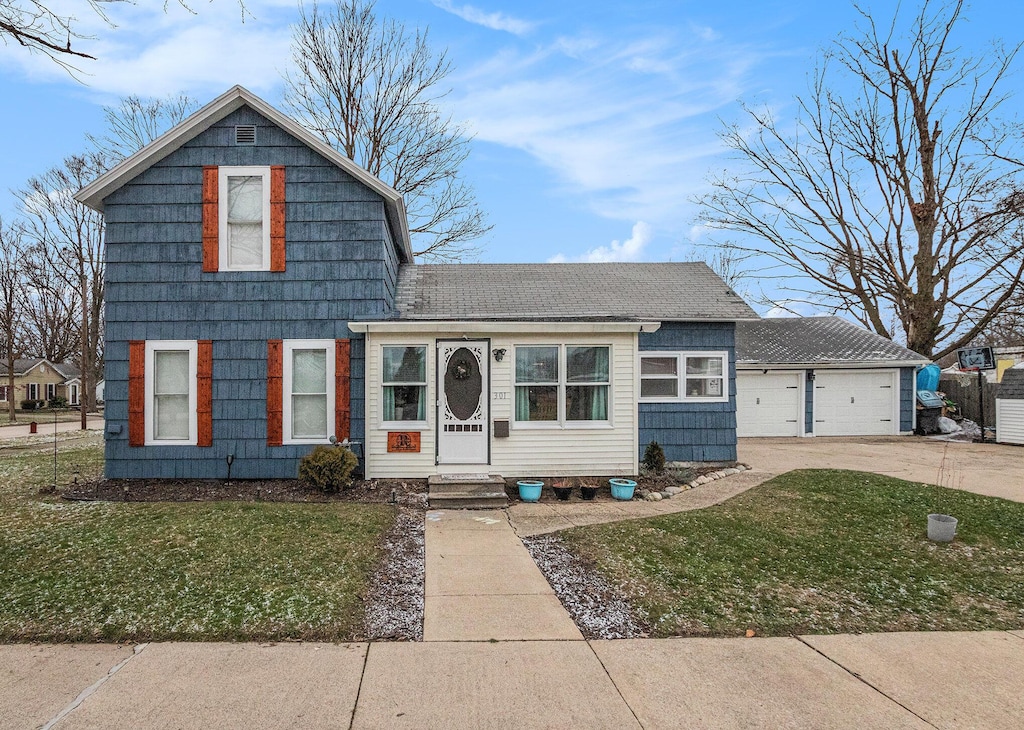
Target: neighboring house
[822,376]
[39,379]
[261,298]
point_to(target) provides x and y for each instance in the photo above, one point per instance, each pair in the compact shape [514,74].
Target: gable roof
[816,341]
[234,98]
[1012,385]
[23,365]
[539,292]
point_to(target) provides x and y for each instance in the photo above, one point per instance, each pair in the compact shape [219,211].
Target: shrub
[654,458]
[31,405]
[328,468]
[58,402]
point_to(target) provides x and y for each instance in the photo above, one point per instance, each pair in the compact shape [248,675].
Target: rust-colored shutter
[277,218]
[204,393]
[342,389]
[137,393]
[275,392]
[211,227]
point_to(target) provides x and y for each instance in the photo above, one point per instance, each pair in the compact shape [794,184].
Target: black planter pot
[563,493]
[588,493]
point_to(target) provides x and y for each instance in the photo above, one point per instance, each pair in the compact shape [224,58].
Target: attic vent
[245,134]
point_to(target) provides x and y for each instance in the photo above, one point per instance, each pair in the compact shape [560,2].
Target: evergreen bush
[328,468]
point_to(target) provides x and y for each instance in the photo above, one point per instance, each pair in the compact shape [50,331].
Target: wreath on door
[461,371]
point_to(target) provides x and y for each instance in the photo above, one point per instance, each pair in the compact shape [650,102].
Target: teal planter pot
[529,491]
[622,488]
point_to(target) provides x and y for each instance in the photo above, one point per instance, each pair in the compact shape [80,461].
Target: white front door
[462,403]
[769,404]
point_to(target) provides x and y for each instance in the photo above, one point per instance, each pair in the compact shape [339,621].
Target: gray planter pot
[941,528]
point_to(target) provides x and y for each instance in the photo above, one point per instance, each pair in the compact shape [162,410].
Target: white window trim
[192,346]
[680,356]
[286,409]
[405,425]
[28,391]
[50,388]
[222,215]
[73,394]
[561,423]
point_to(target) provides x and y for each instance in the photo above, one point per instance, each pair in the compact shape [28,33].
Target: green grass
[187,571]
[819,551]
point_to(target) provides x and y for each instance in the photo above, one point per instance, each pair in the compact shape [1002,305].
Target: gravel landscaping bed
[599,609]
[394,602]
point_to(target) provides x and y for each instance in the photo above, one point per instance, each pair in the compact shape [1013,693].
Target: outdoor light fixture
[230,459]
[810,375]
[499,354]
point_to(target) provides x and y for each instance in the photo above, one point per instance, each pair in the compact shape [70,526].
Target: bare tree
[371,89]
[136,121]
[12,300]
[52,310]
[68,240]
[49,29]
[895,199]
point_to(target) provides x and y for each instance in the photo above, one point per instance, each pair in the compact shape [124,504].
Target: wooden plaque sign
[403,442]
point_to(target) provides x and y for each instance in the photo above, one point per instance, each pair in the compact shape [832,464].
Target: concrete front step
[467,491]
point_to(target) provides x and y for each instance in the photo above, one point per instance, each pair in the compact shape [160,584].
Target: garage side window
[684,377]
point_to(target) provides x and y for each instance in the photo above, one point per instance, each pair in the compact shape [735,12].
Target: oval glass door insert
[463,384]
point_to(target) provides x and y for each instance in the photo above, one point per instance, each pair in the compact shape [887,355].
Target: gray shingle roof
[1012,386]
[815,340]
[525,292]
[24,364]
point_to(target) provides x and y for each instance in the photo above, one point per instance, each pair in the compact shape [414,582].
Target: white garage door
[768,404]
[855,403]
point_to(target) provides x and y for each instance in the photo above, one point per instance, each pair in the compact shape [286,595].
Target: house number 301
[500,395]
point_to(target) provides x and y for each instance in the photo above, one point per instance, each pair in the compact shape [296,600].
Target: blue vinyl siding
[907,399]
[692,431]
[340,266]
[808,401]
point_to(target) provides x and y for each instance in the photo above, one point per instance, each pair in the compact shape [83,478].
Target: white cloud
[627,125]
[631,249]
[789,308]
[151,52]
[494,21]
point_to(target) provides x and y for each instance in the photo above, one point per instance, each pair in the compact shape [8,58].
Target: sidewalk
[920,680]
[44,427]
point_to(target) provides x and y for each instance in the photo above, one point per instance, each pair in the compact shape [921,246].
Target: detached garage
[821,376]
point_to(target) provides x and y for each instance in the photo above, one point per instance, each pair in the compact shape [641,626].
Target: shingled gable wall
[692,431]
[340,266]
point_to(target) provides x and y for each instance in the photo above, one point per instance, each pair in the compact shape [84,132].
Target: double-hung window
[244,218]
[33,391]
[308,412]
[404,384]
[51,391]
[171,394]
[562,385]
[699,377]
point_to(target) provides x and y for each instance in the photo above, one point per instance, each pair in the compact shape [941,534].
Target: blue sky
[595,124]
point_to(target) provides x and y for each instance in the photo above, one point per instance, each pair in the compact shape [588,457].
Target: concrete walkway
[481,583]
[919,680]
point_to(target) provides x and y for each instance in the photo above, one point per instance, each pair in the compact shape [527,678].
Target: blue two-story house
[261,297]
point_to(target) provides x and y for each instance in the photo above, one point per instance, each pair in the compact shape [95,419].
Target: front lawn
[185,571]
[819,551]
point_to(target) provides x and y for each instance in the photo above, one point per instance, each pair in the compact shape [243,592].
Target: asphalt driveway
[995,470]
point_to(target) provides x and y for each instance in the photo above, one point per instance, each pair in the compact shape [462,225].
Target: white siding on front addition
[593,450]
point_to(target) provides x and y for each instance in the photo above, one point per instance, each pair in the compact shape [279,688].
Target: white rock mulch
[394,608]
[598,608]
[669,492]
